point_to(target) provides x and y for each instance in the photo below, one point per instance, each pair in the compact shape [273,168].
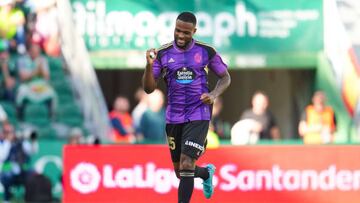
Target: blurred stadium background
[288,49]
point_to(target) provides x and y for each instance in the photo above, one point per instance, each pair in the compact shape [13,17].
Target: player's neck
[187,47]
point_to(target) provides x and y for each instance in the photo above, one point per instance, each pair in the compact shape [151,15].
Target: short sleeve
[156,69]
[217,65]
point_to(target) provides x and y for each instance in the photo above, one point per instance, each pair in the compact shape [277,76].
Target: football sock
[201,172]
[186,186]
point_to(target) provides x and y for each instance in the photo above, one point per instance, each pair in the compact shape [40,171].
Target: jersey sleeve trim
[162,50]
[210,50]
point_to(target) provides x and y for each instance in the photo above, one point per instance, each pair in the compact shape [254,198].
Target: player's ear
[194,30]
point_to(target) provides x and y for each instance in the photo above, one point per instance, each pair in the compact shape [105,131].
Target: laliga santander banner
[143,173]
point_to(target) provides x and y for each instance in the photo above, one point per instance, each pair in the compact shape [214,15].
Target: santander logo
[85,178]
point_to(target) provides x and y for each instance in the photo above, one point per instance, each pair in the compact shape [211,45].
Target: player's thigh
[173,134]
[193,138]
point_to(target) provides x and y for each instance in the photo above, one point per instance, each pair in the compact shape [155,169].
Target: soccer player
[184,65]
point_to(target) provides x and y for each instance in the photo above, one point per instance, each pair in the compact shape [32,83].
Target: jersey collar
[190,46]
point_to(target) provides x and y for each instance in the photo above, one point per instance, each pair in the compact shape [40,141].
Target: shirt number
[172,143]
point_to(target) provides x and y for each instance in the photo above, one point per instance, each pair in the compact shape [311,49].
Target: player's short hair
[187,17]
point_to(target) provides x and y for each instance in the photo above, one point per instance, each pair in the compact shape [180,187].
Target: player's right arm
[148,80]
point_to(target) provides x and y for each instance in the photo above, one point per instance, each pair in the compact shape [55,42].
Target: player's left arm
[221,85]
[217,65]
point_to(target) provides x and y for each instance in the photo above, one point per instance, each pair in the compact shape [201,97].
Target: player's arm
[217,65]
[222,84]
[148,80]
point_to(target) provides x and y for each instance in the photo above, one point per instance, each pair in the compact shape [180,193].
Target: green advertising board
[248,33]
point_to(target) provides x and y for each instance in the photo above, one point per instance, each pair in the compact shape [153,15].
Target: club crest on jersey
[197,58]
[185,75]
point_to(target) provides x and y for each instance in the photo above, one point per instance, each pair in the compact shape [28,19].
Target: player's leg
[173,132]
[194,143]
[187,173]
[177,169]
[181,163]
[202,172]
[199,172]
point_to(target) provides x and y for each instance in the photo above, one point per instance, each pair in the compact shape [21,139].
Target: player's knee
[187,164]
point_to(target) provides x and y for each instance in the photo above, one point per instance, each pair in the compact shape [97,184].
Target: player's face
[183,33]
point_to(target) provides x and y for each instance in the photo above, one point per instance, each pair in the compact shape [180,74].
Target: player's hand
[151,55]
[207,98]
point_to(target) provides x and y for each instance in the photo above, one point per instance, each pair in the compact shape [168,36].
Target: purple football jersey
[185,73]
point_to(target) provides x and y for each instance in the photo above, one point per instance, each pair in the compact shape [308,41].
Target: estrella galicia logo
[185,75]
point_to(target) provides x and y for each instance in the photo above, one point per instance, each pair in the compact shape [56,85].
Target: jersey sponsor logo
[193,144]
[185,75]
